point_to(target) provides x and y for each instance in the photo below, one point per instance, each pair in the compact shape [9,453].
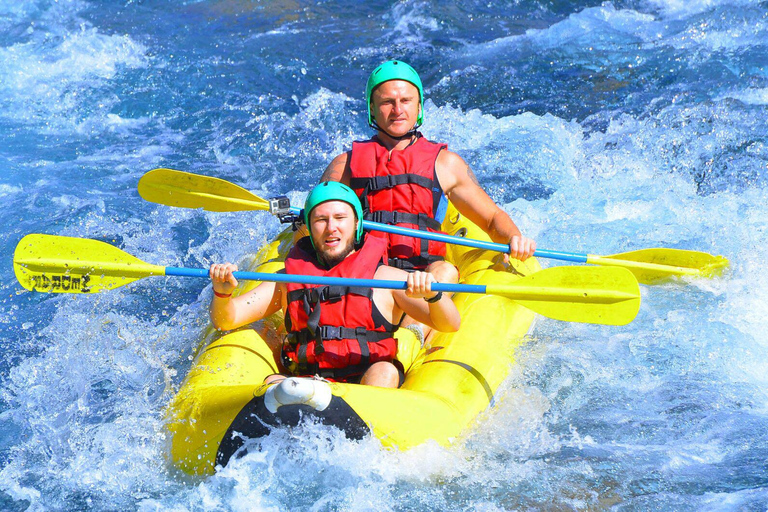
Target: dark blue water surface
[600,127]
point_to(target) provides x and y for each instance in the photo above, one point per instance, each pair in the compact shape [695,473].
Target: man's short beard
[331,261]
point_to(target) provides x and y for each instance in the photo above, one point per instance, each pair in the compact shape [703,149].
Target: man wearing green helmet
[340,333]
[404,179]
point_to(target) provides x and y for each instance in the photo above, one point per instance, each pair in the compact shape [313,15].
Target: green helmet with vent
[333,191]
[394,70]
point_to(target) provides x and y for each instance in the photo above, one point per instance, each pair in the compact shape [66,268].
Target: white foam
[89,404]
[578,29]
[733,38]
[750,96]
[410,23]
[55,79]
[688,8]
[9,190]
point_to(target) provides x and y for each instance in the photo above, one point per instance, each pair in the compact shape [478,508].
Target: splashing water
[600,127]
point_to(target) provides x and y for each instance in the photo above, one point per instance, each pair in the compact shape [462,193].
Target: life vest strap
[394,218]
[375,183]
[330,332]
[328,293]
[414,262]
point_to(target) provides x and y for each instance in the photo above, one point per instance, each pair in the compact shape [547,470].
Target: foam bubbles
[9,190]
[599,128]
[410,23]
[751,96]
[688,8]
[57,74]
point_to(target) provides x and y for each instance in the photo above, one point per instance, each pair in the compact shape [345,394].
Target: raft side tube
[448,382]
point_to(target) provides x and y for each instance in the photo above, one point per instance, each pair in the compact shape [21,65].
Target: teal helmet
[394,70]
[333,191]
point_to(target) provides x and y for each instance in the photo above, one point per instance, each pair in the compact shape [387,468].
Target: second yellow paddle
[649,266]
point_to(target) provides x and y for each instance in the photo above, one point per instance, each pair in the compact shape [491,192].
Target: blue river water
[599,126]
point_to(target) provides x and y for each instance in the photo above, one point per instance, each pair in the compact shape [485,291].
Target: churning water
[600,127]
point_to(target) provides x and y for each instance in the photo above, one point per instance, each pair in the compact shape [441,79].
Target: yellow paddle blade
[186,190]
[653,265]
[609,296]
[60,264]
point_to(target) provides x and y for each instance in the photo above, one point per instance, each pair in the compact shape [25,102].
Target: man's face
[333,228]
[395,106]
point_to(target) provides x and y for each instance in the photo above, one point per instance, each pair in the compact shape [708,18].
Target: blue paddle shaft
[467,242]
[318,280]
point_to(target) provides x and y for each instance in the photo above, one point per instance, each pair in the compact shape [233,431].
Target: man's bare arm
[441,315]
[462,188]
[337,170]
[231,312]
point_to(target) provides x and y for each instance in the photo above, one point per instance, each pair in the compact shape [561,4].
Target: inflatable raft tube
[448,381]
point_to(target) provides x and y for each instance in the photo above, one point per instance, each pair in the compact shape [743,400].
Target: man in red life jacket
[404,179]
[341,333]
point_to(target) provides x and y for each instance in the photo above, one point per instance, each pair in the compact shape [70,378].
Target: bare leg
[443,272]
[275,377]
[382,374]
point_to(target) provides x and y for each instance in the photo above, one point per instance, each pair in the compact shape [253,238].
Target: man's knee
[444,272]
[382,374]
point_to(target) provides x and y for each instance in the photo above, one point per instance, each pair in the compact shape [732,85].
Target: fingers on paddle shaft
[58,264]
[187,190]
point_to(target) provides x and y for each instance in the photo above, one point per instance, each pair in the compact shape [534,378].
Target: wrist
[222,295]
[437,297]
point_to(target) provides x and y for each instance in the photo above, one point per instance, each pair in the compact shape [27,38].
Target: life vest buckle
[382,217]
[329,332]
[333,293]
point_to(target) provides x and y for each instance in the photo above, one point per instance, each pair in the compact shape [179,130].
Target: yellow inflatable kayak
[448,381]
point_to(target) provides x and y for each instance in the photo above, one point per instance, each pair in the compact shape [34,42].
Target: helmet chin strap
[408,135]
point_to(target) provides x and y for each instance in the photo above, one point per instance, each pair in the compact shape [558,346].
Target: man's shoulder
[338,169]
[449,163]
[341,158]
[449,158]
[450,169]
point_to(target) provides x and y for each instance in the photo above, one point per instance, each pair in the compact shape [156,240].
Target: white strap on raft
[295,390]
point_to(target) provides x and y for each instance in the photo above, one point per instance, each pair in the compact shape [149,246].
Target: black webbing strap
[375,183]
[420,219]
[313,299]
[328,293]
[414,262]
[423,259]
[330,332]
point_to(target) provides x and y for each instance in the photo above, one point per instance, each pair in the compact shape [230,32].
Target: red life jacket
[401,189]
[335,331]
